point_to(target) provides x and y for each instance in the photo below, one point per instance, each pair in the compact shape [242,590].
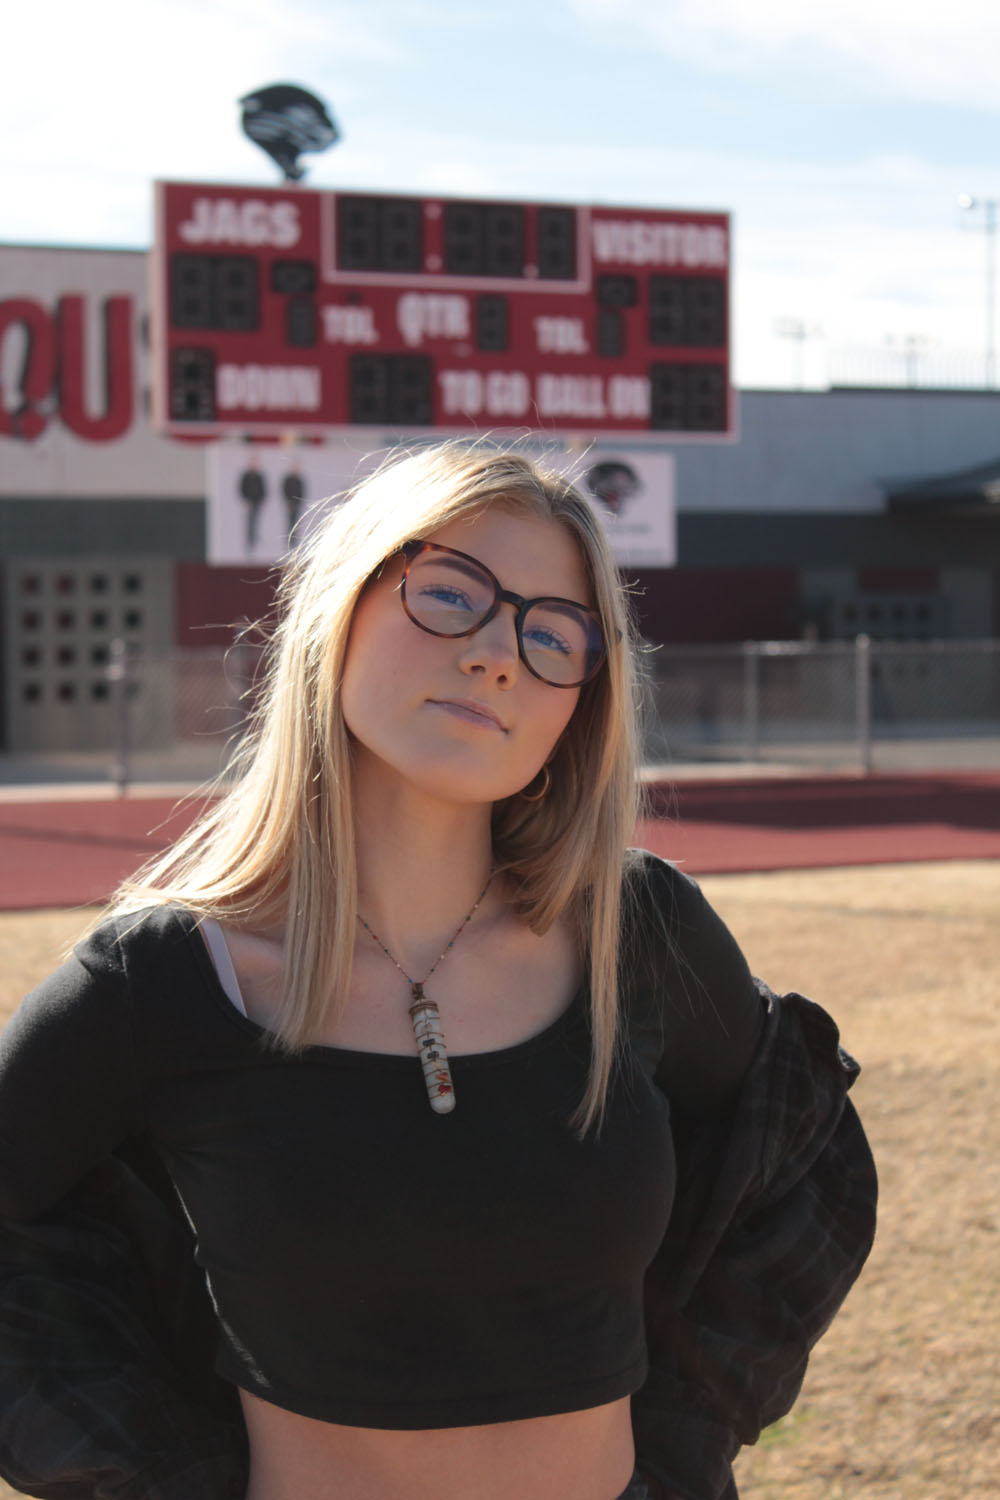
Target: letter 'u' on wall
[118,384]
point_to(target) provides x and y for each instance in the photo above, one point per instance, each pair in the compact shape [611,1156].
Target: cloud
[135,102]
[908,49]
[864,245]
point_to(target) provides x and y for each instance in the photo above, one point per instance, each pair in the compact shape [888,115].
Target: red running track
[56,853]
[714,827]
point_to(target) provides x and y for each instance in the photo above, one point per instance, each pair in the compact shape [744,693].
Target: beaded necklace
[425,1018]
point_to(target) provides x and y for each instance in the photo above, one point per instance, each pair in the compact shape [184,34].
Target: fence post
[751,699]
[118,680]
[863,701]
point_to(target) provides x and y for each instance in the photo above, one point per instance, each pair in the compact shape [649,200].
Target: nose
[492,650]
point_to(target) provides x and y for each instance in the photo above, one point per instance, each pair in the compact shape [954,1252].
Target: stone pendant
[426,1021]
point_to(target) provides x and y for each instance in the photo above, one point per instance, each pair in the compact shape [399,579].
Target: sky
[838,136]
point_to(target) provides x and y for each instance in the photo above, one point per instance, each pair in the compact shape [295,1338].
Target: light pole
[989,227]
[911,346]
[795,328]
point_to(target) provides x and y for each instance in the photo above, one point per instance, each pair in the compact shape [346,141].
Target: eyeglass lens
[451,595]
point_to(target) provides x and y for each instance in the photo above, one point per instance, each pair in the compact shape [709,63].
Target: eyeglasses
[450,593]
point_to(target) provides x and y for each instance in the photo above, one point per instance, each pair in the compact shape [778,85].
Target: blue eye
[546,639]
[446,593]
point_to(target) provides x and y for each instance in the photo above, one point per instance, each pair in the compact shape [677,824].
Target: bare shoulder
[258,959]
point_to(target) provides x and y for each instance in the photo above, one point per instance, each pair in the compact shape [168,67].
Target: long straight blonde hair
[278,844]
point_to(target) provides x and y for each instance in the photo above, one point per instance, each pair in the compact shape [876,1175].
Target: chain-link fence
[181,712]
[865,704]
[177,716]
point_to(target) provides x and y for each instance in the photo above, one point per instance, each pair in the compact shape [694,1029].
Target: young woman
[506,1179]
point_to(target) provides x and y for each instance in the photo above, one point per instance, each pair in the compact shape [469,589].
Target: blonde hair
[278,845]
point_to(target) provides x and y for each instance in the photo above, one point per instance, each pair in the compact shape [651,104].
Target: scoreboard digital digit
[278,309]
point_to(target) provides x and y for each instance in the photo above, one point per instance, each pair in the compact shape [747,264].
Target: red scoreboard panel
[281,308]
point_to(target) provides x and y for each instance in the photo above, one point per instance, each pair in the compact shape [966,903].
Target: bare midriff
[580,1455]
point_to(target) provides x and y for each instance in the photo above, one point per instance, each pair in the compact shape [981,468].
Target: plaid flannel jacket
[106,1332]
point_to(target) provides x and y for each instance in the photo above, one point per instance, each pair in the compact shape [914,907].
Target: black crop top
[370,1262]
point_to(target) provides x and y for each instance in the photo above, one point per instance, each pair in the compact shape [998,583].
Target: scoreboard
[289,308]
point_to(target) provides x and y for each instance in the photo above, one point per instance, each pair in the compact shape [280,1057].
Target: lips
[469,709]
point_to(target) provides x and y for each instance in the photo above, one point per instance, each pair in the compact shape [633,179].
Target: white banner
[632,491]
[262,496]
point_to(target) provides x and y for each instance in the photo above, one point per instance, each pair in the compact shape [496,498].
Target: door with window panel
[62,615]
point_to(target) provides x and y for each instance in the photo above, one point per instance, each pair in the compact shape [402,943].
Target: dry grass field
[902,1400]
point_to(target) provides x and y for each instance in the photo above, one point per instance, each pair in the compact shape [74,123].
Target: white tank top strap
[215,942]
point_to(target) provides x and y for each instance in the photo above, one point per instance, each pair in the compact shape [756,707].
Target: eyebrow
[565,607]
[469,569]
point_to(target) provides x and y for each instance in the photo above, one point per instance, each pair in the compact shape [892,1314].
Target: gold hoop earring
[546,776]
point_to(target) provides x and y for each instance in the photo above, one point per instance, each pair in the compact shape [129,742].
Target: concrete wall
[828,452]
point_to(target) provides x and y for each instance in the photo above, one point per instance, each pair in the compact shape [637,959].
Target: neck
[421,865]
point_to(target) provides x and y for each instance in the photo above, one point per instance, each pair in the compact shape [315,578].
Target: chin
[460,778]
[472,795]
[468,788]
